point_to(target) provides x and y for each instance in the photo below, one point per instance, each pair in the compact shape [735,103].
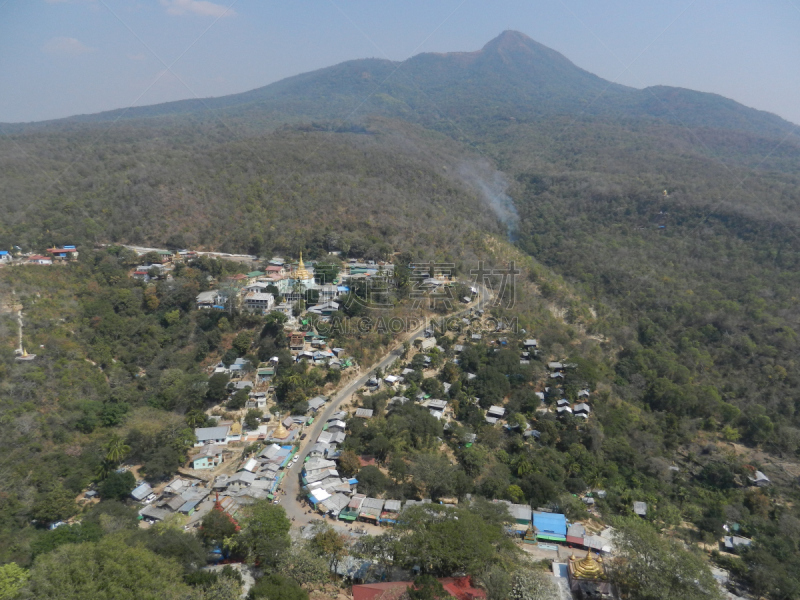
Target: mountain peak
[515,48]
[510,37]
[513,42]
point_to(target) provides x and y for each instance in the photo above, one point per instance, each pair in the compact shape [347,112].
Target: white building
[258,301]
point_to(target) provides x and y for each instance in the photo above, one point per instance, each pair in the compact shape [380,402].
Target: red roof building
[458,587]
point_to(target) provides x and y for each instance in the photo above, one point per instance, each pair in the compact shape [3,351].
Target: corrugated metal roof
[550,523]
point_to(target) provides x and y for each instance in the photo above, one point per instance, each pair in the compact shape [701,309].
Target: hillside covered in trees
[658,224]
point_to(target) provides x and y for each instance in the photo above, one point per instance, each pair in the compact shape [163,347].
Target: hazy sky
[66,57]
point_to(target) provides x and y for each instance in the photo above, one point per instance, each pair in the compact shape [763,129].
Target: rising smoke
[491,184]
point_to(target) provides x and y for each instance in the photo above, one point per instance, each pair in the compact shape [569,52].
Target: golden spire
[301,272]
[587,568]
[280,432]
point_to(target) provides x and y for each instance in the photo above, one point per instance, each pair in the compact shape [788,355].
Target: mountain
[512,76]
[657,226]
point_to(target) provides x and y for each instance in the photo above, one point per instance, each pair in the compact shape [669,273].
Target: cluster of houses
[326,491]
[586,576]
[51,256]
[557,376]
[259,477]
[494,414]
[184,496]
[257,291]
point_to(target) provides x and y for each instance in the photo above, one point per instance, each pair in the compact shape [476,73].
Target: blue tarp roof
[3,252]
[353,481]
[550,523]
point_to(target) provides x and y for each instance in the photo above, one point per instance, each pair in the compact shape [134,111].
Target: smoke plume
[491,184]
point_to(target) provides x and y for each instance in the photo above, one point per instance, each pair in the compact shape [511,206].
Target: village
[235,466]
[257,453]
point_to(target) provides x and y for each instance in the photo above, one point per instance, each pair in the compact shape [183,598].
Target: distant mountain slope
[379,189]
[512,76]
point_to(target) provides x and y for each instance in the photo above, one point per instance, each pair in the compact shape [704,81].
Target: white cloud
[196,7]
[66,46]
[140,56]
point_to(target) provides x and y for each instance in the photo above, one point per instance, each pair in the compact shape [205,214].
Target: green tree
[215,527]
[427,587]
[305,566]
[277,587]
[398,468]
[326,542]
[242,342]
[434,473]
[116,449]
[251,419]
[196,418]
[87,531]
[650,566]
[273,324]
[515,494]
[12,578]
[106,570]
[496,580]
[349,463]
[264,536]
[443,540]
[239,399]
[372,481]
[326,272]
[223,588]
[117,486]
[56,505]
[217,389]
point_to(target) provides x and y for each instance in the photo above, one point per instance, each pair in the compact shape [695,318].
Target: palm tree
[523,467]
[104,469]
[116,449]
[195,418]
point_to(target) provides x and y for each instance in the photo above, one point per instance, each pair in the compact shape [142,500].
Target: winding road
[298,512]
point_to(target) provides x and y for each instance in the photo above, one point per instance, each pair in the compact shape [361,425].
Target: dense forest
[656,234]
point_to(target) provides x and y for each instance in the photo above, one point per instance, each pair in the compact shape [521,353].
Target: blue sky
[66,57]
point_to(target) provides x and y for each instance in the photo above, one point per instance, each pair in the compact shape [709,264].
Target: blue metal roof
[550,523]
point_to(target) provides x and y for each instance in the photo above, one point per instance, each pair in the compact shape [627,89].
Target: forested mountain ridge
[660,221]
[512,76]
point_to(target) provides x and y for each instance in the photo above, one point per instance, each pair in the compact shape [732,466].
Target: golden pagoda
[587,577]
[587,568]
[280,432]
[302,273]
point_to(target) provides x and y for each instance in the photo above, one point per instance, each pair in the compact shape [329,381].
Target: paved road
[234,257]
[298,511]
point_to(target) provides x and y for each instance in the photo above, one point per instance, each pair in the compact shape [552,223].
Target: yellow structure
[280,433]
[587,577]
[302,273]
[587,568]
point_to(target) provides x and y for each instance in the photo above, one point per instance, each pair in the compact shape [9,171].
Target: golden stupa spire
[281,432]
[301,272]
[588,567]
